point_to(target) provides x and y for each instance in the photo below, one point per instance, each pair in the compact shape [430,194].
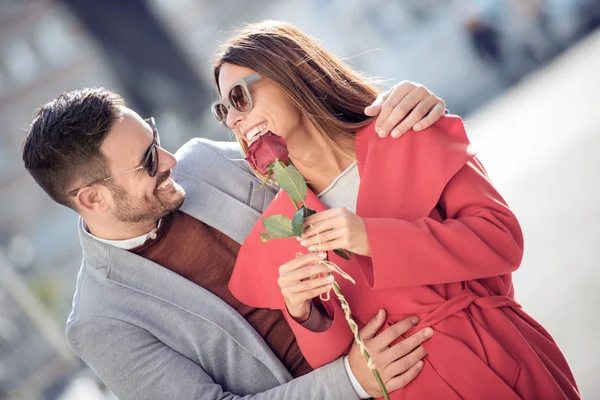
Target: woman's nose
[233,117]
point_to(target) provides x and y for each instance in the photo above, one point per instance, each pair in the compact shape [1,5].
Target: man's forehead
[126,111]
[128,137]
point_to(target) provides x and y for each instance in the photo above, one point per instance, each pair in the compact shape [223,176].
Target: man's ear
[94,198]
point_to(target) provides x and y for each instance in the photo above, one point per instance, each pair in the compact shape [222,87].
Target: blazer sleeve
[136,365]
[480,237]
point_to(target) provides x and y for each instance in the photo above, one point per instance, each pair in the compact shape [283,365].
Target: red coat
[444,244]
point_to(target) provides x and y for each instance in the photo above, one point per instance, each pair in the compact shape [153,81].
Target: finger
[318,228]
[338,243]
[404,379]
[323,215]
[370,329]
[375,107]
[292,278]
[404,108]
[402,348]
[397,94]
[301,261]
[309,285]
[309,294]
[416,115]
[435,114]
[321,238]
[387,337]
[403,364]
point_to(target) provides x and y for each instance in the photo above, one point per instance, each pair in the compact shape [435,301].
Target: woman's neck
[319,161]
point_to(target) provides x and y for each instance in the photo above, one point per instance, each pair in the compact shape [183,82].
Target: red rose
[265,150]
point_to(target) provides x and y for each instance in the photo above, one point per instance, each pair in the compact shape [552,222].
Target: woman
[433,238]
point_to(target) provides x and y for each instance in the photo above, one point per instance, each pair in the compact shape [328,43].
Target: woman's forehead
[230,74]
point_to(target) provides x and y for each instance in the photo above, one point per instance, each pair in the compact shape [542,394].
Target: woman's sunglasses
[238,97]
[150,162]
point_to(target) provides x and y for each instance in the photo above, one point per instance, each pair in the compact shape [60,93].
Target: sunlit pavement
[540,143]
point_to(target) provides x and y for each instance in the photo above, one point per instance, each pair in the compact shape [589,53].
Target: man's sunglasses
[150,162]
[238,97]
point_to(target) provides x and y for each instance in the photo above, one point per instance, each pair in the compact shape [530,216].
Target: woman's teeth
[255,132]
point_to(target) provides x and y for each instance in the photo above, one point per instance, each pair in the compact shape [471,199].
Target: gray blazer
[152,334]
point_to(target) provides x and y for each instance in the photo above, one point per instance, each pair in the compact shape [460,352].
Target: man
[152,314]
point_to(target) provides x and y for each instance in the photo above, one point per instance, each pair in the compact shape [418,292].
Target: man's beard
[133,210]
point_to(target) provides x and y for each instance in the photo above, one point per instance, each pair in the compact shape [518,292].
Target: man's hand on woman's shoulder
[406,105]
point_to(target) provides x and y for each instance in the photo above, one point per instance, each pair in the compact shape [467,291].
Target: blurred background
[524,74]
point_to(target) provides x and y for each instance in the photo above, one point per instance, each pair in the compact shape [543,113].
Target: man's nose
[166,160]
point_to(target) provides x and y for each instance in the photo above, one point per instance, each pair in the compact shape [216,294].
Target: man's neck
[120,230]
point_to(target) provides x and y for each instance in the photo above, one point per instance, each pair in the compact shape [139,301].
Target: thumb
[375,108]
[370,329]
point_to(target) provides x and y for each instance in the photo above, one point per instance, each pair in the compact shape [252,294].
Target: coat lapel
[255,283]
[423,163]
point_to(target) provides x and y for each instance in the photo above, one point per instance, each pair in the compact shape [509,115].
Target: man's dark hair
[62,146]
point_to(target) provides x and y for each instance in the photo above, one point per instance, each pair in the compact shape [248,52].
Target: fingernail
[380,132]
[298,238]
[303,243]
[396,133]
[322,255]
[417,127]
[311,248]
[379,314]
[419,364]
[414,320]
[428,332]
[329,278]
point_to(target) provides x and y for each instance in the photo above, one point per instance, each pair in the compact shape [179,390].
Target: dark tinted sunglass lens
[151,162]
[239,98]
[220,112]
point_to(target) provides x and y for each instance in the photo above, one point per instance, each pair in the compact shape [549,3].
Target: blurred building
[43,51]
[33,351]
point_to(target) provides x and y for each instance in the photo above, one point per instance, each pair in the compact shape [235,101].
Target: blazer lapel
[141,275]
[220,209]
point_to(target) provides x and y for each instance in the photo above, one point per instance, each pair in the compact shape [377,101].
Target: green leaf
[266,236]
[298,222]
[342,253]
[289,179]
[308,212]
[279,225]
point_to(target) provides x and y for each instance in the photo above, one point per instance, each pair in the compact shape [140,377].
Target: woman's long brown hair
[330,93]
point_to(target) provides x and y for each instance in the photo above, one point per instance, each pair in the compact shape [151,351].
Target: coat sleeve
[321,348]
[479,237]
[136,365]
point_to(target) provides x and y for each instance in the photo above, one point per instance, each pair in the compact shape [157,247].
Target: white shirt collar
[127,244]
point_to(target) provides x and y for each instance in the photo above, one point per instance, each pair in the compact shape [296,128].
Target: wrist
[301,314]
[360,391]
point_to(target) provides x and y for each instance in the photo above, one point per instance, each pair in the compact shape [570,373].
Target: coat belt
[463,300]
